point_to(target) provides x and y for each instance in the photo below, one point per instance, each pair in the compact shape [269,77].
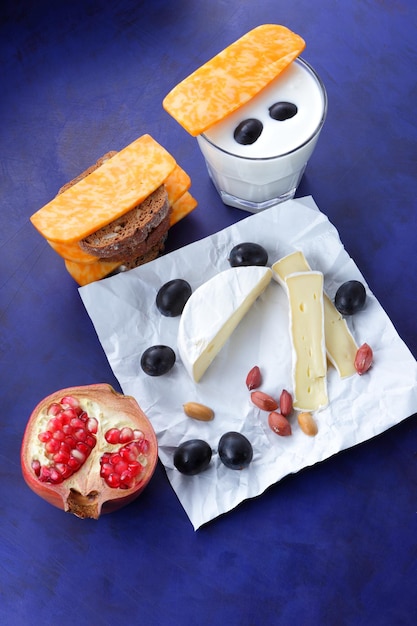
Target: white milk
[256,176]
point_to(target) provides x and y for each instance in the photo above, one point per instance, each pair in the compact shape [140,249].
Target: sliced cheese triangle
[213,312]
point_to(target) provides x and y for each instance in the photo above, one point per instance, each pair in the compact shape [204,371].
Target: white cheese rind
[305,297]
[213,312]
[341,347]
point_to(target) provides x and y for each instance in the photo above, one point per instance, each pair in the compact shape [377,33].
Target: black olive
[350,297]
[282,111]
[192,457]
[157,360]
[235,451]
[248,253]
[171,297]
[248,131]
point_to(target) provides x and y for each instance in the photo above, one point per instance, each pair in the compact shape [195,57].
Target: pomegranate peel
[88,450]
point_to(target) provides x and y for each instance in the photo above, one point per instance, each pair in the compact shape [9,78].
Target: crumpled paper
[123,311]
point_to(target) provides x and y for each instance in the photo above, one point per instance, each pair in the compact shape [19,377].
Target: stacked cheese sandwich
[117,213]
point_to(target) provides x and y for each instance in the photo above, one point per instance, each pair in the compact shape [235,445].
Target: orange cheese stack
[231,78]
[116,186]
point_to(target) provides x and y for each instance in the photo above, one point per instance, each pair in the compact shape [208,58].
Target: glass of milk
[257,155]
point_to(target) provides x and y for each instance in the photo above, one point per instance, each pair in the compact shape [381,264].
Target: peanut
[363,359]
[263,401]
[279,424]
[307,424]
[254,378]
[198,411]
[285,403]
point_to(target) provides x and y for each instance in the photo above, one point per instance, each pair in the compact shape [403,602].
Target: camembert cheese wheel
[212,313]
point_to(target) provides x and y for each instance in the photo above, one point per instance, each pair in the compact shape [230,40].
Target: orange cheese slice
[72,252]
[85,273]
[232,77]
[177,183]
[182,207]
[108,192]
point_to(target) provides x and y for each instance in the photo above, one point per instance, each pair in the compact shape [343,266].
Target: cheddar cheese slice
[182,207]
[121,183]
[341,347]
[232,77]
[305,296]
[177,184]
[85,273]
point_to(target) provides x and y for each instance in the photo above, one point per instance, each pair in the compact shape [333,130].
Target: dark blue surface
[335,544]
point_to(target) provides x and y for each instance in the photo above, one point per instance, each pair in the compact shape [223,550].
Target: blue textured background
[335,544]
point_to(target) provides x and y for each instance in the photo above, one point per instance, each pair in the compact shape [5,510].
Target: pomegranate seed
[64,470]
[138,434]
[59,435]
[144,446]
[77,423]
[78,455]
[92,425]
[83,448]
[70,401]
[128,454]
[44,437]
[54,409]
[115,458]
[73,463]
[44,474]
[106,469]
[61,457]
[52,446]
[135,468]
[68,415]
[126,435]
[55,477]
[65,447]
[120,467]
[112,435]
[54,424]
[70,441]
[90,441]
[36,466]
[126,480]
[113,480]
[80,434]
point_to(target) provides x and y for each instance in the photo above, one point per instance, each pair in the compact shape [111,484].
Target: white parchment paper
[124,314]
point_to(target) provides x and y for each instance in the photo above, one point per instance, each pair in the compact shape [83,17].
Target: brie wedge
[305,296]
[212,313]
[340,345]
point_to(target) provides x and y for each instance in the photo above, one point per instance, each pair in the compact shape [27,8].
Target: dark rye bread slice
[137,250]
[150,255]
[130,230]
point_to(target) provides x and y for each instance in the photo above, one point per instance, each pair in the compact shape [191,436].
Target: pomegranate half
[88,450]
